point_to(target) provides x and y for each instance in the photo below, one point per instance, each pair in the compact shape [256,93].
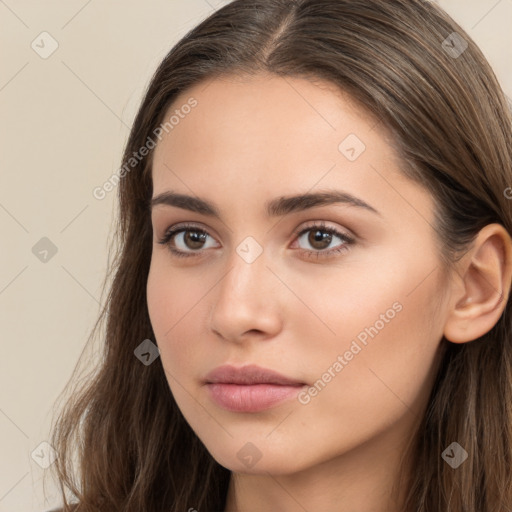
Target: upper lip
[249,374]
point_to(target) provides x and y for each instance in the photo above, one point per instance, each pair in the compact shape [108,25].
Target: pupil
[320,236]
[196,239]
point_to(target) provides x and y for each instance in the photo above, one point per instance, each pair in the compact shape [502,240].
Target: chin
[254,458]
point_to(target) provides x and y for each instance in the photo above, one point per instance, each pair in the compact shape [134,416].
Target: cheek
[387,293]
[172,306]
[380,364]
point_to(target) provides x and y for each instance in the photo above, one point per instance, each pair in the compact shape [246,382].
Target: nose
[247,301]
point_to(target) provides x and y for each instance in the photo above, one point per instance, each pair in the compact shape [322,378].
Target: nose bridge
[246,298]
[247,271]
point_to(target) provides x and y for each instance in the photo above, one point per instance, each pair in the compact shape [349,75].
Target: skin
[257,138]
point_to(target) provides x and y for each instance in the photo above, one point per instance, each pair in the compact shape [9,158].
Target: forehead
[264,122]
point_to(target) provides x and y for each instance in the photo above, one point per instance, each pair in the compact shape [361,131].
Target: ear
[482,286]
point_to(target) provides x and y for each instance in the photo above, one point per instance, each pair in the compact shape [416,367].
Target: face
[344,298]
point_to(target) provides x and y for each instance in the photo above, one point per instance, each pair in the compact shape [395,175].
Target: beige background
[64,122]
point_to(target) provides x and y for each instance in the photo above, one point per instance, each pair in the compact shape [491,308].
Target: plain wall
[64,121]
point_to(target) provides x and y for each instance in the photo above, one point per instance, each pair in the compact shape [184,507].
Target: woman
[310,308]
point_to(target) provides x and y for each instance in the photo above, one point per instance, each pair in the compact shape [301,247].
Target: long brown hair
[122,442]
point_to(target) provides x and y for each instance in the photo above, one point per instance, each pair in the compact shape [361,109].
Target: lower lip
[250,398]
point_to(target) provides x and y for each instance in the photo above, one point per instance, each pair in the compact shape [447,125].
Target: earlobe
[482,286]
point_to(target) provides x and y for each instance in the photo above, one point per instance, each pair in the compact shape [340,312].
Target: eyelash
[348,240]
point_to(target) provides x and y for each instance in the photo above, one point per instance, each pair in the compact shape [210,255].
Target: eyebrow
[274,208]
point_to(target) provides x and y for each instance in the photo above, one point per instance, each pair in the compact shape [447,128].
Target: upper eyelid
[186,226]
[199,227]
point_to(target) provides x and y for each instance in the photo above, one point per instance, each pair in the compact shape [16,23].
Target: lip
[249,374]
[249,388]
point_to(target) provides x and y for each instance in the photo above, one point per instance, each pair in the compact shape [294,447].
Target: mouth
[250,388]
[250,397]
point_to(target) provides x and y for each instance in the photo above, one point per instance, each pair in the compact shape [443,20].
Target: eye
[188,240]
[320,237]
[185,240]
